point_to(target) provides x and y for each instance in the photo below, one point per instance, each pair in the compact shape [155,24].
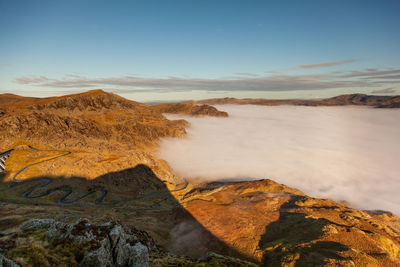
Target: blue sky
[167,50]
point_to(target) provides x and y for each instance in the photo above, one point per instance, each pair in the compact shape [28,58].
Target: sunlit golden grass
[22,158]
[109,159]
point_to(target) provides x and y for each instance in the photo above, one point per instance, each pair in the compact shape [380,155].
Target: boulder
[4,262]
[115,246]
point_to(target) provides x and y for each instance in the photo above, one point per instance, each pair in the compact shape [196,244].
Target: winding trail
[14,178]
[63,199]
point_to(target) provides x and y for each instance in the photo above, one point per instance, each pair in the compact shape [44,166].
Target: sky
[175,50]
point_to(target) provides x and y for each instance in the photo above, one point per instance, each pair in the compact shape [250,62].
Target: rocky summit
[83,185]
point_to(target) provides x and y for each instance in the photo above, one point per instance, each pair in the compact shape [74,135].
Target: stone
[139,255]
[116,246]
[37,224]
[4,262]
[211,254]
[99,258]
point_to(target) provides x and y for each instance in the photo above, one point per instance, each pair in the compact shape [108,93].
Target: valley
[95,156]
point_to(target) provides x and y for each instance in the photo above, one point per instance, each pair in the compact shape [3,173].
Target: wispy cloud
[313,66]
[32,79]
[372,73]
[247,74]
[388,77]
[262,83]
[384,91]
[242,81]
[325,64]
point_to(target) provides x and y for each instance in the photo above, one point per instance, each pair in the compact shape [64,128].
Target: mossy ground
[33,248]
[165,260]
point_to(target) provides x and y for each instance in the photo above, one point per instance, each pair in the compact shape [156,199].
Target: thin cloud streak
[370,73]
[384,91]
[247,74]
[243,81]
[325,64]
[263,83]
[313,66]
[394,77]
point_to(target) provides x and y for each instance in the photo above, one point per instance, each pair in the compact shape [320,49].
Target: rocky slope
[92,155]
[261,221]
[9,99]
[352,99]
[280,226]
[93,116]
[104,131]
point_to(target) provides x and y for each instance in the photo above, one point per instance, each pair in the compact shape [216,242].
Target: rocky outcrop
[115,245]
[4,262]
[190,108]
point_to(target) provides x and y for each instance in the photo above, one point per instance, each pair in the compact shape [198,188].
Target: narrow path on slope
[63,199]
[14,178]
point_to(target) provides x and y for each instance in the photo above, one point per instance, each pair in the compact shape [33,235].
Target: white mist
[341,153]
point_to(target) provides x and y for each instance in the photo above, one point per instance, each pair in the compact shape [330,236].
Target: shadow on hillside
[135,197]
[285,236]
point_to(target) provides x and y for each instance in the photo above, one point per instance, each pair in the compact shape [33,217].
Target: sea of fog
[343,153]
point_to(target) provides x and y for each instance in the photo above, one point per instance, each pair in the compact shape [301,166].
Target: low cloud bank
[341,153]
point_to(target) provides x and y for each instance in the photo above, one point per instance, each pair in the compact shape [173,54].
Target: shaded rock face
[115,245]
[4,262]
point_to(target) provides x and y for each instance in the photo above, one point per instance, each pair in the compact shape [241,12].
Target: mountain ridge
[341,100]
